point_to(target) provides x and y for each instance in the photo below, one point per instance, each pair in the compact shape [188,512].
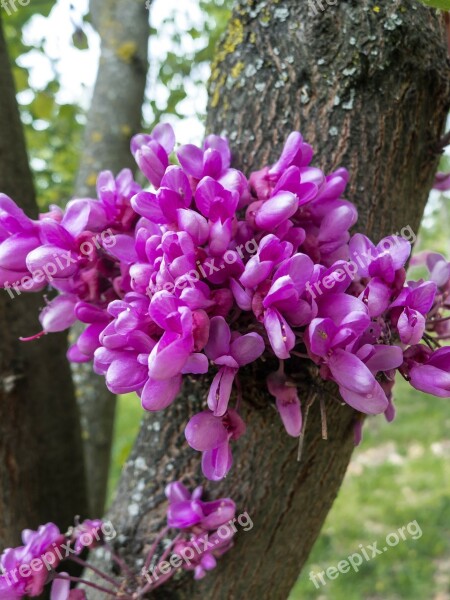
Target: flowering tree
[245,290]
[356,107]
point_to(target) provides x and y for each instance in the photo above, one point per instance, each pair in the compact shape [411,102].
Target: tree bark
[368,87]
[41,460]
[114,116]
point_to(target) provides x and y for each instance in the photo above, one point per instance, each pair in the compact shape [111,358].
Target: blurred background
[401,471]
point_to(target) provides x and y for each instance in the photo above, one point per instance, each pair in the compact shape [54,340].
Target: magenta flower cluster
[205,532]
[26,570]
[199,523]
[206,268]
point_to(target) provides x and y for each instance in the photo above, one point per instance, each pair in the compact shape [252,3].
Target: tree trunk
[368,88]
[41,461]
[114,116]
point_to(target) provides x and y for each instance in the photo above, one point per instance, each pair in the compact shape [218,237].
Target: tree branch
[41,461]
[114,116]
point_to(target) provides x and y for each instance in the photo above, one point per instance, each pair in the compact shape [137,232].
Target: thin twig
[301,438]
[119,561]
[323,416]
[300,355]
[431,339]
[87,565]
[149,586]
[169,548]
[439,320]
[166,578]
[153,547]
[90,584]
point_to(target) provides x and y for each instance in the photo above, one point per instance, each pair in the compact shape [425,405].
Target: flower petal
[191,159]
[290,413]
[411,326]
[350,372]
[216,463]
[14,251]
[276,210]
[125,374]
[385,358]
[431,380]
[177,492]
[60,588]
[247,348]
[220,391]
[59,314]
[159,394]
[205,431]
[373,403]
[281,336]
[219,338]
[165,136]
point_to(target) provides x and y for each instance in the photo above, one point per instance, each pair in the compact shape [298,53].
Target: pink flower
[212,435]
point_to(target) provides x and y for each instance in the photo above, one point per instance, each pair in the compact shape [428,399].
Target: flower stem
[301,438]
[153,547]
[120,561]
[87,565]
[323,415]
[150,586]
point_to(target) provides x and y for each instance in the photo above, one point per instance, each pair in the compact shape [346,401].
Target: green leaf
[194,33]
[442,4]
[20,78]
[79,39]
[43,6]
[42,106]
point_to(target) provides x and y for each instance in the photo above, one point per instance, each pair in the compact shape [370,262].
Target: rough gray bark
[41,460]
[369,89]
[114,116]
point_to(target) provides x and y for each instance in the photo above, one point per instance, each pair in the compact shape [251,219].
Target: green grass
[400,473]
[128,417]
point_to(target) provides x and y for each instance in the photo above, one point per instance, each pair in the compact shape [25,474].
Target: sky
[77,69]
